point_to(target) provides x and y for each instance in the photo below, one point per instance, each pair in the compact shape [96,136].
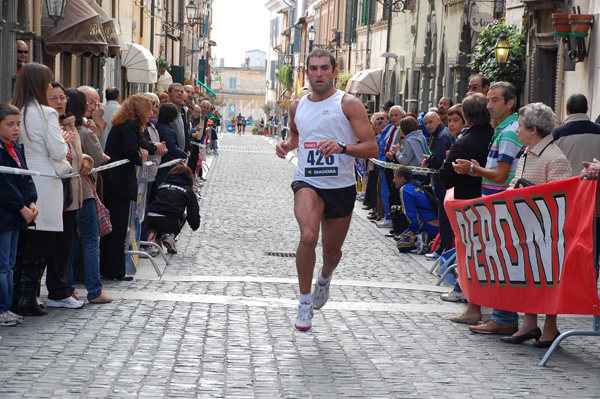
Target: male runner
[324,126]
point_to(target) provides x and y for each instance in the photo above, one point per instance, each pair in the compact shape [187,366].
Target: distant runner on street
[324,126]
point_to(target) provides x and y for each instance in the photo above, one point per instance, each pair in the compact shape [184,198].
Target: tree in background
[483,58]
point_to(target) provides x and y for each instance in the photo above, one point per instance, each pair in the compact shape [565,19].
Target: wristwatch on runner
[343,145]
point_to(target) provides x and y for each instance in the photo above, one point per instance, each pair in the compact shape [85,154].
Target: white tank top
[317,121]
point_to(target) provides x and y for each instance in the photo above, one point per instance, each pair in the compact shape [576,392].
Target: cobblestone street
[219,323]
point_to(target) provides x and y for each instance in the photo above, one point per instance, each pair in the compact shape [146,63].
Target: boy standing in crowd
[17,206]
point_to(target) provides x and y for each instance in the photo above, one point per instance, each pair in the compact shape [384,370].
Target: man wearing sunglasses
[22,52]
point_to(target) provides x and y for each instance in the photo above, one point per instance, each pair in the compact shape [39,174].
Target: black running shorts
[339,202]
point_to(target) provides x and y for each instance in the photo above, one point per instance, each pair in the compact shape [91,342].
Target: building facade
[109,43]
[242,90]
[420,49]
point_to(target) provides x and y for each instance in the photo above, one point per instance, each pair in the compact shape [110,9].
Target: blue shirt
[416,206]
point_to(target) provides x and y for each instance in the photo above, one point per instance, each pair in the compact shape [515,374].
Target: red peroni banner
[528,250]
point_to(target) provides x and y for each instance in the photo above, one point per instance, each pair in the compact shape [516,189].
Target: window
[350,24]
[368,12]
[233,83]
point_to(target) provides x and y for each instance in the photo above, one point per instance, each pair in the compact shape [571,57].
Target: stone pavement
[219,321]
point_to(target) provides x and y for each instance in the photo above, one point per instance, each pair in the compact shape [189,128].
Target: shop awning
[206,87]
[108,26]
[367,81]
[164,81]
[140,64]
[79,32]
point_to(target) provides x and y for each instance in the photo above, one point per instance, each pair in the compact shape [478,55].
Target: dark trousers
[371,189]
[446,232]
[193,159]
[394,194]
[112,246]
[30,263]
[165,225]
[58,254]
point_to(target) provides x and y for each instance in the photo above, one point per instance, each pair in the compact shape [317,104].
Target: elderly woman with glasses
[542,162]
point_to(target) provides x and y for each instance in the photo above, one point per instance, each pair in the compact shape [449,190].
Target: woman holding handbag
[86,233]
[120,183]
[45,151]
[542,162]
[56,281]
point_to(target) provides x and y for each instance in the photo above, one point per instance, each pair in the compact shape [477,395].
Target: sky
[239,26]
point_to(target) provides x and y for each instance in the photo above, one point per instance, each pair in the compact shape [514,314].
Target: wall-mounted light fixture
[502,50]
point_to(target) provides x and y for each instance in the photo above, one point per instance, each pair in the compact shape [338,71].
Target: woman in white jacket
[46,151]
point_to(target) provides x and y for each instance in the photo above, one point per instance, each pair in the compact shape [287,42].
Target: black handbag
[67,193]
[523,183]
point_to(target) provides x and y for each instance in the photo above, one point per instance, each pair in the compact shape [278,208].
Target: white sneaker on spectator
[15,316]
[68,302]
[305,314]
[432,256]
[385,223]
[168,241]
[421,242]
[453,296]
[320,294]
[6,320]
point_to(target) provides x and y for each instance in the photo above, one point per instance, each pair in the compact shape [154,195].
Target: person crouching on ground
[423,222]
[167,213]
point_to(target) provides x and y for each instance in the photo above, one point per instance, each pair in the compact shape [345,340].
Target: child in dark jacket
[17,206]
[167,213]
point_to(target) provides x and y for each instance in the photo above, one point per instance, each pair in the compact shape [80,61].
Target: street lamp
[311,37]
[191,9]
[56,9]
[501,50]
[288,58]
[276,70]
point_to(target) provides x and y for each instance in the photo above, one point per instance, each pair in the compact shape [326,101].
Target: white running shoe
[15,316]
[305,314]
[453,296]
[320,294]
[432,256]
[7,320]
[168,241]
[68,302]
[385,223]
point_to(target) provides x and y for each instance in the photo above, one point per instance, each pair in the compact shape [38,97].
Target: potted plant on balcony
[162,65]
[560,22]
[580,23]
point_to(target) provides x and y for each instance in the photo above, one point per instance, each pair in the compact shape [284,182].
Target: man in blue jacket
[422,220]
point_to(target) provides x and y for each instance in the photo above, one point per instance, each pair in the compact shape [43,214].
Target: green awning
[206,87]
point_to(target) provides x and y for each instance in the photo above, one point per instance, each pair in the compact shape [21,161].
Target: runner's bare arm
[357,115]
[283,147]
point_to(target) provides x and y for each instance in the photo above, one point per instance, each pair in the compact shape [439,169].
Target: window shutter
[350,25]
[372,11]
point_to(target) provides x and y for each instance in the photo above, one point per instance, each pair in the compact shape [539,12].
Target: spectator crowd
[483,146]
[54,222]
[52,226]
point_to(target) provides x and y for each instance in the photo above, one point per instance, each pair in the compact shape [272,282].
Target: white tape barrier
[390,165]
[17,171]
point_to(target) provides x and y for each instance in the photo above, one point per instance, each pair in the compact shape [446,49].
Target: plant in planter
[162,65]
[286,76]
[483,59]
